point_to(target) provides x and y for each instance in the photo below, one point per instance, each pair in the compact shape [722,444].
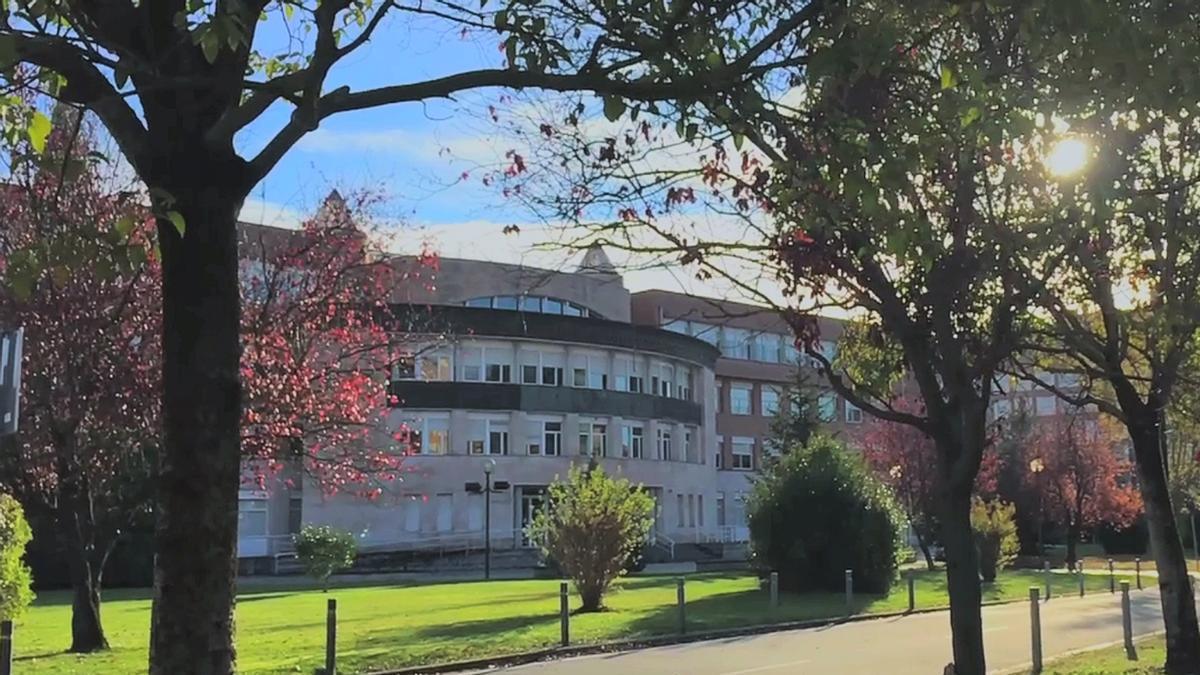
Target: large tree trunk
[196,533]
[1174,585]
[962,576]
[87,633]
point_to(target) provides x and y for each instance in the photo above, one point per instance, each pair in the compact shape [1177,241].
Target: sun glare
[1068,157]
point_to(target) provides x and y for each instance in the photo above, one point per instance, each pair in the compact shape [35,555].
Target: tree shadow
[469,629]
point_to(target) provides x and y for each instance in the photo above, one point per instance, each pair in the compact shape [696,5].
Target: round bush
[819,512]
[15,579]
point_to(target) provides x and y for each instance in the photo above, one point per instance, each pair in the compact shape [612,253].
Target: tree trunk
[87,633]
[923,544]
[962,576]
[1072,541]
[1174,585]
[196,533]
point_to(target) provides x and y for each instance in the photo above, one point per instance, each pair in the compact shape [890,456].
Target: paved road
[911,645]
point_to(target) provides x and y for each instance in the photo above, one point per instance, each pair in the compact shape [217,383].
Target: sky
[415,155]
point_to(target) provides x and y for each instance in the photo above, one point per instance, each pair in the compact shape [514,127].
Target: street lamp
[1037,466]
[487,490]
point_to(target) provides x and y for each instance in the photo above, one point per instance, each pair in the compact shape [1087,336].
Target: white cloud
[270,213]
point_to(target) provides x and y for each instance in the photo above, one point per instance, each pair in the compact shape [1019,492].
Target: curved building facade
[534,370]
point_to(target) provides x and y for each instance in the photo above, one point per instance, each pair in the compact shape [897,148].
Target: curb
[554,653]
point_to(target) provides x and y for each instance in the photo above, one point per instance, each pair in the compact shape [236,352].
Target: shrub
[1132,540]
[995,527]
[324,550]
[593,525]
[818,512]
[15,579]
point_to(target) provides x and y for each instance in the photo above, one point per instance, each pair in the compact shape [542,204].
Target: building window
[854,414]
[739,399]
[743,454]
[685,384]
[531,303]
[552,376]
[676,326]
[691,499]
[687,446]
[679,510]
[499,372]
[551,444]
[664,444]
[734,343]
[707,332]
[1045,405]
[529,374]
[471,359]
[700,509]
[497,439]
[579,377]
[404,368]
[631,442]
[597,380]
[720,509]
[252,517]
[720,462]
[436,368]
[770,401]
[827,407]
[720,397]
[765,347]
[487,436]
[593,439]
[637,384]
[479,302]
[295,514]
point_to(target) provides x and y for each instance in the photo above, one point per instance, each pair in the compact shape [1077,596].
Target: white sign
[10,380]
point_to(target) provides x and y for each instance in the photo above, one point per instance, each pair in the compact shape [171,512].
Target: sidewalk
[910,645]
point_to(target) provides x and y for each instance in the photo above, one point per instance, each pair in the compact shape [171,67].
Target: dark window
[529,374]
[552,376]
[295,512]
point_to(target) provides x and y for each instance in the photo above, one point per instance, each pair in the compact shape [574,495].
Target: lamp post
[1037,466]
[487,490]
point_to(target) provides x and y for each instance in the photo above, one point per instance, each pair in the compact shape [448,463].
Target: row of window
[740,343]
[532,303]
[695,507]
[430,435]
[741,397]
[540,366]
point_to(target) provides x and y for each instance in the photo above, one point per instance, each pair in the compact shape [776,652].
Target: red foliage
[318,352]
[1083,481]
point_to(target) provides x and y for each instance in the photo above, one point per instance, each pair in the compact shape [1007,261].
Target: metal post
[912,596]
[679,599]
[849,592]
[1035,629]
[774,589]
[1138,565]
[1127,622]
[1112,580]
[1079,574]
[487,525]
[6,647]
[564,612]
[1046,574]
[331,638]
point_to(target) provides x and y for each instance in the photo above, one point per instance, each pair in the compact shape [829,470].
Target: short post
[1138,566]
[1079,575]
[912,596]
[6,647]
[849,592]
[682,606]
[774,589]
[1112,580]
[1127,622]
[1035,628]
[564,613]
[1046,575]
[331,638]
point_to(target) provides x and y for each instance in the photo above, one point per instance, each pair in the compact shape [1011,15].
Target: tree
[799,415]
[15,580]
[1080,480]
[1122,311]
[324,550]
[995,527]
[90,425]
[906,460]
[174,82]
[851,521]
[594,524]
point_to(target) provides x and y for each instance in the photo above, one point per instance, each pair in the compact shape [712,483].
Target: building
[535,370]
[758,362]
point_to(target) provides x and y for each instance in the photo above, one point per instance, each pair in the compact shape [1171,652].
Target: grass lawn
[390,626]
[1151,655]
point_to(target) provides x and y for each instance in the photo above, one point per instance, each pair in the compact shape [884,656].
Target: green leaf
[949,79]
[177,220]
[210,44]
[124,226]
[970,116]
[738,140]
[614,107]
[39,131]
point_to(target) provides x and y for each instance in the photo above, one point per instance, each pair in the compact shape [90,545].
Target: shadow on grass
[469,629]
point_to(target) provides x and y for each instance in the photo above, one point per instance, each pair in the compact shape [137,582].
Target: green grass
[282,630]
[1112,661]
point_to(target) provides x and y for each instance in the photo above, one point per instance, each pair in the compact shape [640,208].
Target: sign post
[10,379]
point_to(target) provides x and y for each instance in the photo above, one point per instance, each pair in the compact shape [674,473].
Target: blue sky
[415,153]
